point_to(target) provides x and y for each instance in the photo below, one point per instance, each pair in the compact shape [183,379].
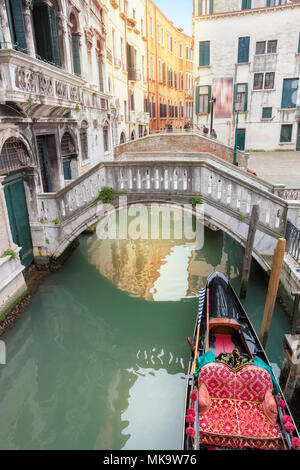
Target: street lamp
[237,107]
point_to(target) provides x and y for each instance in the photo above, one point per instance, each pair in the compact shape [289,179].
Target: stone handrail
[213,181]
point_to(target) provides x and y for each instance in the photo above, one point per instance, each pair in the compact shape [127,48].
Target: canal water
[99,359]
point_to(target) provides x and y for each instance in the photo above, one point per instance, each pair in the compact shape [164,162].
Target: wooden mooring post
[248,251]
[272,290]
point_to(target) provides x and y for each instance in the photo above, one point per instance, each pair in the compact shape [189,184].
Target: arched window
[68,153]
[46,28]
[106,137]
[122,138]
[75,37]
[132,135]
[84,141]
[14,156]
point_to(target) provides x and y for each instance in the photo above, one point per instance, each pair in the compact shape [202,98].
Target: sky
[178,11]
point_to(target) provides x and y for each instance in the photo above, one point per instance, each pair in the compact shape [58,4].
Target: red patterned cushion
[236,417]
[240,423]
[250,383]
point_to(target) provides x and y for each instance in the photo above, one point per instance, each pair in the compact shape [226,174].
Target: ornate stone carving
[89,36]
[61,90]
[46,85]
[25,80]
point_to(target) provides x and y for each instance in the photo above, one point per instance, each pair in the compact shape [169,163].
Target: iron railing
[293,241]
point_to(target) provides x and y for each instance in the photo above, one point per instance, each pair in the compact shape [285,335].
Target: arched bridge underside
[228,194]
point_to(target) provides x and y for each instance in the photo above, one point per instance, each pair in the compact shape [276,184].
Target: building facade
[55,119]
[247,57]
[170,72]
[127,72]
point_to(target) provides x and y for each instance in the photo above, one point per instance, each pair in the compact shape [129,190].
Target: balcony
[32,82]
[131,22]
[132,74]
[114,4]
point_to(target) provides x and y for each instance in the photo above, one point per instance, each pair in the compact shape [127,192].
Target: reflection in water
[161,270]
[155,397]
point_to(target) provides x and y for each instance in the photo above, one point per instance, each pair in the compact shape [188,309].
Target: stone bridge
[229,192]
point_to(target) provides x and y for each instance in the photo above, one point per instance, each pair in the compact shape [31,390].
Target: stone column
[27,9]
[5,26]
[65,38]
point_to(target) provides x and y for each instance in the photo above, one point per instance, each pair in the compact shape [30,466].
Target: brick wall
[180,143]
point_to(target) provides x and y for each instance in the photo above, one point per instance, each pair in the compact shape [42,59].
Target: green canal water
[99,359]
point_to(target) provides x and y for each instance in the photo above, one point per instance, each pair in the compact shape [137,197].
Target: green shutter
[211,6]
[246,97]
[208,99]
[204,53]
[55,38]
[234,95]
[76,56]
[243,51]
[246,4]
[197,100]
[16,24]
[46,32]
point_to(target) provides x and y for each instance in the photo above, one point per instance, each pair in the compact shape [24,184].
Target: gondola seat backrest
[250,383]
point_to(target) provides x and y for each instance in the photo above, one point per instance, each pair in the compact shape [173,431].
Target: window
[47,35]
[286,133]
[241,95]
[158,32]
[246,4]
[16,23]
[204,53]
[180,51]
[132,101]
[269,80]
[266,113]
[84,141]
[105,138]
[203,95]
[265,81]
[205,7]
[299,43]
[258,81]
[272,3]
[289,93]
[243,50]
[272,47]
[260,47]
[151,26]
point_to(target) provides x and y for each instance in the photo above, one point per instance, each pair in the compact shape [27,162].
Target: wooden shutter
[46,32]
[243,52]
[76,56]
[204,53]
[54,38]
[16,23]
[234,95]
[197,98]
[246,97]
[208,99]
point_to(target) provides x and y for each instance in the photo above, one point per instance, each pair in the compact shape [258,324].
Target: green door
[298,138]
[241,135]
[18,216]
